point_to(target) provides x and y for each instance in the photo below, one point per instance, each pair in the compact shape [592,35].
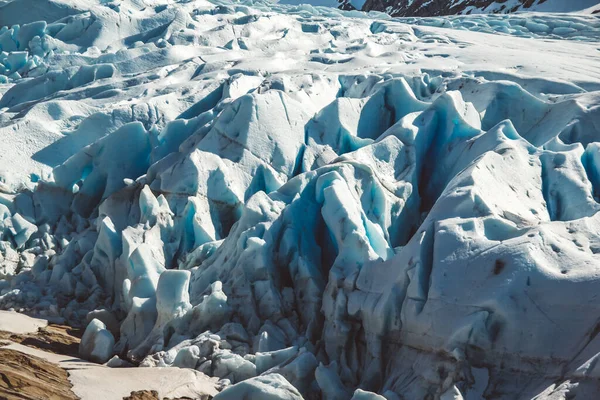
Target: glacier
[306,202]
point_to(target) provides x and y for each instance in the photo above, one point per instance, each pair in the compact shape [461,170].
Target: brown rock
[143,395]
[153,395]
[56,339]
[26,377]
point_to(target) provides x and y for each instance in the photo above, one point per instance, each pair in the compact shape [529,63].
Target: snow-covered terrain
[305,202]
[532,25]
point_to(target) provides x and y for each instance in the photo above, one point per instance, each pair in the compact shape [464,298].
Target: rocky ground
[28,377]
[40,362]
[58,339]
[430,8]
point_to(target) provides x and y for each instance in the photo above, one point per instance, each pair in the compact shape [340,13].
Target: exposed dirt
[26,377]
[153,395]
[58,339]
[143,395]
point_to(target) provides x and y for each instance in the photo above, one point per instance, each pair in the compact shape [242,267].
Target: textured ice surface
[97,342]
[306,202]
[267,387]
[537,25]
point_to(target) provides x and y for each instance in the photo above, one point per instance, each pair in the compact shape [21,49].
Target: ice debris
[265,387]
[97,342]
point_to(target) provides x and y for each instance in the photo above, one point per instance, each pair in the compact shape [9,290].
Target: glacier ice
[305,202]
[267,387]
[537,25]
[360,394]
[97,342]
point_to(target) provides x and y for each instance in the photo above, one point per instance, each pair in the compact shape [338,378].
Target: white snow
[116,383]
[305,202]
[14,322]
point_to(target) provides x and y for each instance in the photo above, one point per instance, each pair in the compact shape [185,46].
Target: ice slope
[556,6]
[309,203]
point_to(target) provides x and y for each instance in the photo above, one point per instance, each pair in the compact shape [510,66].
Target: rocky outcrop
[428,8]
[431,8]
[23,376]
